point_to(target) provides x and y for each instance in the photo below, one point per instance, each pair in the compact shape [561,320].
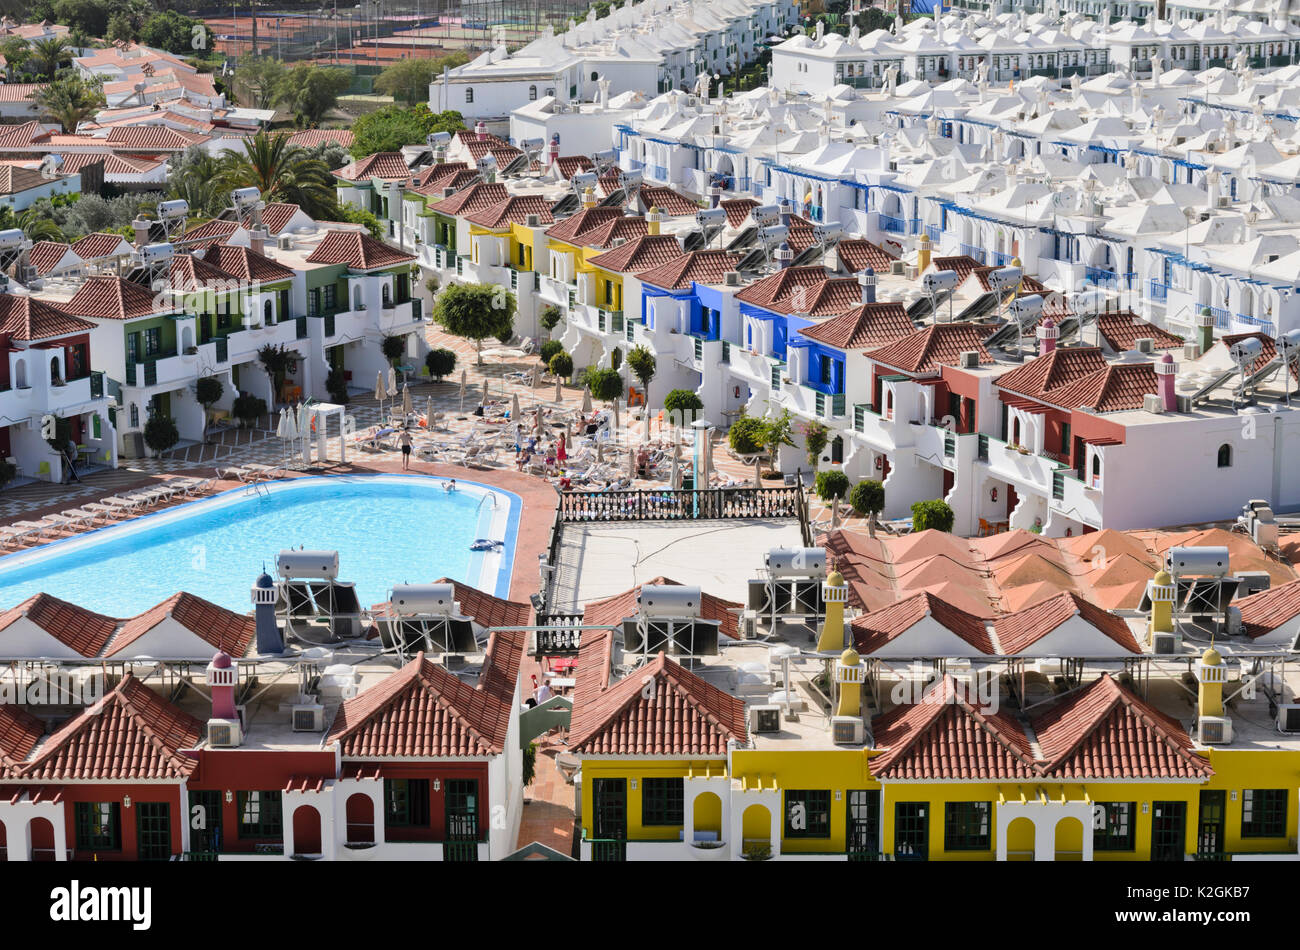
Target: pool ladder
[490,496]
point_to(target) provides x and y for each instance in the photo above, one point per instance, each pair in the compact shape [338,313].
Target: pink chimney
[223,677]
[480,130]
[1165,370]
[1047,334]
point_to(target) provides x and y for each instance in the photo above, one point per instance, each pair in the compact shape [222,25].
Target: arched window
[1225,456]
[357,303]
[55,378]
[595,76]
[268,313]
[889,404]
[387,294]
[20,374]
[469,94]
[1096,469]
[1015,431]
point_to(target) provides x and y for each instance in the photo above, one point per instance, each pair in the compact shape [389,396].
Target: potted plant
[8,471]
[757,851]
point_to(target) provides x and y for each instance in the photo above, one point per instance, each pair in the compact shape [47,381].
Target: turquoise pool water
[387,529]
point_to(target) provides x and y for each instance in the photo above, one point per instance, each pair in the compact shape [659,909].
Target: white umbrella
[675,473]
[600,450]
[541,413]
[559,393]
[282,427]
[428,415]
[835,514]
[616,425]
[706,464]
[462,390]
[631,462]
[392,382]
[407,408]
[514,408]
[379,391]
[586,401]
[304,430]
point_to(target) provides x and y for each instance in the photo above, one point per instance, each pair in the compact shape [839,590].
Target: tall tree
[475,311]
[48,55]
[175,33]
[281,172]
[69,100]
[257,81]
[310,91]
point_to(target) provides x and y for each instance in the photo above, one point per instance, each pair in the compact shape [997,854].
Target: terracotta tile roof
[19,91]
[864,326]
[938,345]
[19,136]
[114,298]
[513,210]
[188,272]
[152,138]
[800,236]
[835,296]
[737,209]
[224,629]
[422,711]
[669,202]
[438,172]
[73,626]
[608,183]
[1122,330]
[617,608]
[1061,367]
[275,216]
[98,245]
[1105,732]
[857,254]
[1018,631]
[215,231]
[14,179]
[873,630]
[246,264]
[645,253]
[356,249]
[19,733]
[310,138]
[488,610]
[449,175]
[131,733]
[1264,612]
[501,150]
[471,199]
[27,318]
[597,227]
[944,737]
[682,715]
[570,165]
[779,290]
[114,165]
[963,264]
[704,267]
[1118,387]
[46,255]
[386,165]
[1266,355]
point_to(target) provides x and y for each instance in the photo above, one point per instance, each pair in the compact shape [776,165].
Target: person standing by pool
[404,440]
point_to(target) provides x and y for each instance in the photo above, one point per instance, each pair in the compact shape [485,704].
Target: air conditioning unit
[533,220]
[1214,730]
[731,278]
[911,271]
[1145,345]
[1225,201]
[748,625]
[308,717]
[1191,351]
[764,719]
[1184,403]
[1288,717]
[1232,625]
[1166,643]
[284,242]
[896,268]
[968,359]
[1152,402]
[224,733]
[847,730]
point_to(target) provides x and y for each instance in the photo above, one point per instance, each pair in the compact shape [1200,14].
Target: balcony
[1102,278]
[1157,290]
[892,225]
[1072,498]
[1021,468]
[1254,324]
[1222,317]
[974,252]
[934,233]
[555,291]
[163,370]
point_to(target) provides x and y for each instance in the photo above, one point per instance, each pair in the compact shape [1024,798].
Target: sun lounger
[78,517]
[40,528]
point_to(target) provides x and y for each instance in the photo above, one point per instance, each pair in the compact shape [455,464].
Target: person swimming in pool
[449,485]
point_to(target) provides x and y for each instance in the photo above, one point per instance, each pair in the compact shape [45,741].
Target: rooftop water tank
[669,600]
[796,562]
[312,565]
[425,599]
[1201,561]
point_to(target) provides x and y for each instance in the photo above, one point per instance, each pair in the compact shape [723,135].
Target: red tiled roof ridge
[90,630]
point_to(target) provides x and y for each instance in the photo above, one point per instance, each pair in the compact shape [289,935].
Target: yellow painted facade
[634,772]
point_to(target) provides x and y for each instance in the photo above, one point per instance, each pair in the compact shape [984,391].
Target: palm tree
[196,177]
[49,54]
[37,226]
[70,100]
[281,172]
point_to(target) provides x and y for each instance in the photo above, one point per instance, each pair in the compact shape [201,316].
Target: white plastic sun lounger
[40,528]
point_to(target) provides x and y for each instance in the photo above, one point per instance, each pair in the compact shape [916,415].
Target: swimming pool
[387,529]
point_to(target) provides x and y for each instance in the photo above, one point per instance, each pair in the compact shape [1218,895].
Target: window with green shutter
[1263,813]
[662,801]
[808,814]
[259,815]
[99,826]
